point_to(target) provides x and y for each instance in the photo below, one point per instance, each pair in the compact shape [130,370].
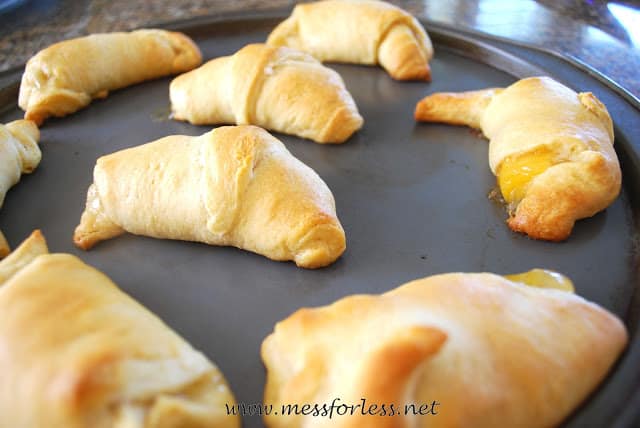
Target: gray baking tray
[412,199]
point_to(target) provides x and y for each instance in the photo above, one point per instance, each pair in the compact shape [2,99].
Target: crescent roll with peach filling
[235,185]
[469,349]
[279,89]
[550,148]
[67,76]
[78,352]
[361,32]
[19,154]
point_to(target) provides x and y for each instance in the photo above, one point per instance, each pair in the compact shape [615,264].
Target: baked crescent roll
[19,154]
[66,76]
[235,185]
[77,352]
[453,350]
[276,88]
[361,32]
[551,149]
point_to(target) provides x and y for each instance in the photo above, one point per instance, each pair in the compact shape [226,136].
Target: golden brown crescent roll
[361,32]
[276,88]
[66,76]
[551,149]
[77,352]
[19,154]
[466,350]
[235,185]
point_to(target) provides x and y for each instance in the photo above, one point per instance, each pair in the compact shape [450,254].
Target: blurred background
[603,34]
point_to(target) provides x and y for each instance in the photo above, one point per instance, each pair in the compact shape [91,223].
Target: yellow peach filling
[542,278]
[516,172]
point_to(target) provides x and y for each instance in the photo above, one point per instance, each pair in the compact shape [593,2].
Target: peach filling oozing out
[516,172]
[543,278]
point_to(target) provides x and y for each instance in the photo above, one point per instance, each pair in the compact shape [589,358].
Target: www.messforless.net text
[335,408]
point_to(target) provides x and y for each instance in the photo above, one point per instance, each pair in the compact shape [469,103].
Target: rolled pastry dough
[77,352]
[19,154]
[491,352]
[235,185]
[551,149]
[361,32]
[66,76]
[276,88]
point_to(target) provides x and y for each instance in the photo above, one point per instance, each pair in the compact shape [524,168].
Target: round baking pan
[412,199]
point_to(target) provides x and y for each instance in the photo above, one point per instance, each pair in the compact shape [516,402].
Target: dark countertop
[603,34]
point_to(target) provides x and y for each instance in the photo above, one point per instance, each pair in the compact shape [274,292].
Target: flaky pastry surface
[359,31]
[77,352]
[235,185]
[66,76]
[19,154]
[541,118]
[280,89]
[491,352]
